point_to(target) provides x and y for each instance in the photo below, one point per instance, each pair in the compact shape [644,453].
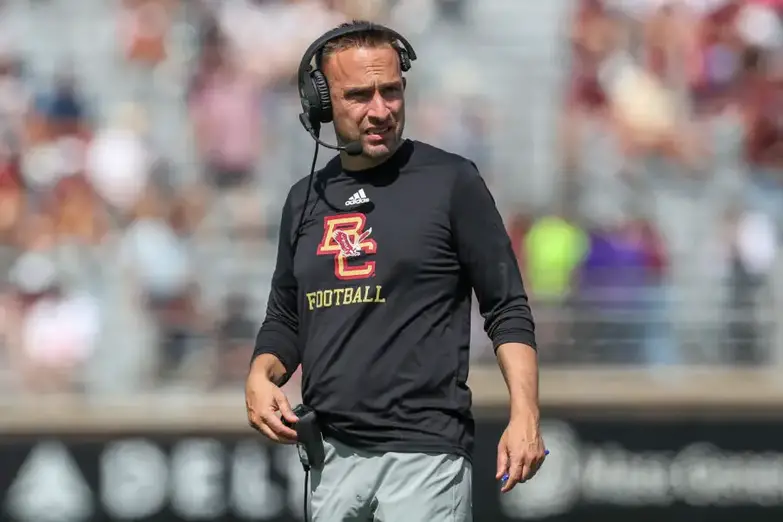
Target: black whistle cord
[296,241]
[298,232]
[306,492]
[297,235]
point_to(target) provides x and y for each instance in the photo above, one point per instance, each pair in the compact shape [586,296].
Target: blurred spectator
[235,336]
[619,293]
[78,213]
[225,110]
[753,245]
[63,108]
[12,193]
[58,337]
[585,95]
[15,100]
[763,106]
[659,345]
[719,64]
[119,161]
[553,249]
[630,89]
[181,334]
[57,138]
[157,256]
[144,29]
[58,325]
[644,111]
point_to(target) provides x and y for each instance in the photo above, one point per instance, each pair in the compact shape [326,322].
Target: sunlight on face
[368,98]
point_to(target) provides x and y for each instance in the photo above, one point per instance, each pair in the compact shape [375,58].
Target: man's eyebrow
[364,89]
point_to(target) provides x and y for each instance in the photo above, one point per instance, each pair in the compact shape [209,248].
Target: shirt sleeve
[279,331]
[485,252]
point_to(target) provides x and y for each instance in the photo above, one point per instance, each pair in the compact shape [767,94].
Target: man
[374,303]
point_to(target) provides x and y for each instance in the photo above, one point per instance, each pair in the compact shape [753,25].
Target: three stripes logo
[358,198]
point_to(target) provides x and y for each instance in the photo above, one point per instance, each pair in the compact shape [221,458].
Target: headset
[314,89]
[317,100]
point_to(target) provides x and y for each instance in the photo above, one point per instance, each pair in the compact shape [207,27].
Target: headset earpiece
[321,87]
[308,98]
[315,98]
[405,60]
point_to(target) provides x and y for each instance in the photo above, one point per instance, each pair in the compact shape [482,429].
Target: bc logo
[345,238]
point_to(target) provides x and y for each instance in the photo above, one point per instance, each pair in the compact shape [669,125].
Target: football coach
[378,255]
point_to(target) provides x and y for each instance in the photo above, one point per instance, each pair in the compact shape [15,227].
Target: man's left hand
[520,451]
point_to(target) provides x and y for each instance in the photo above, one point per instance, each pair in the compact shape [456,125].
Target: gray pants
[359,486]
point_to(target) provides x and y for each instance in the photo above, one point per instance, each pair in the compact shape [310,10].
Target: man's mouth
[378,132]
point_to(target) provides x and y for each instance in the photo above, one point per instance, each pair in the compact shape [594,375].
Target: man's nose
[378,109]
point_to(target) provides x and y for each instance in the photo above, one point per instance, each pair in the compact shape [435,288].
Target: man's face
[367,98]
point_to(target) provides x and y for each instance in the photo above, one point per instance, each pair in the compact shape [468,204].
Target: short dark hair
[372,38]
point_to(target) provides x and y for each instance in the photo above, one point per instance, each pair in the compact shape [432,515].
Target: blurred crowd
[661,244]
[146,147]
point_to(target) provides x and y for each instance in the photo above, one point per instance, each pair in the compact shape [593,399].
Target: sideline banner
[609,469]
[619,468]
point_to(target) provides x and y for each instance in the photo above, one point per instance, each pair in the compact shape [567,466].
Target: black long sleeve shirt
[375,301]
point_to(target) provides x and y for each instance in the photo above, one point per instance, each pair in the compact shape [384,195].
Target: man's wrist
[523,408]
[519,365]
[268,366]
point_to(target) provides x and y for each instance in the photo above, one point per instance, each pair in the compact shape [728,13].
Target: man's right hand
[266,403]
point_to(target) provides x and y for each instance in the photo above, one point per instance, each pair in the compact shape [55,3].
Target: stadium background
[146,147]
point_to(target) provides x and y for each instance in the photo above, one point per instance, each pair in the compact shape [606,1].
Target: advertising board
[611,468]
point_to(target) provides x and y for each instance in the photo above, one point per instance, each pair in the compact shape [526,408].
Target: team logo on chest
[346,239]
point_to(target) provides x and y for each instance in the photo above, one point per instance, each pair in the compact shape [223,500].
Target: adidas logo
[358,198]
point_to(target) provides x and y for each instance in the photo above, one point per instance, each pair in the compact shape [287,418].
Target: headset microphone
[352,148]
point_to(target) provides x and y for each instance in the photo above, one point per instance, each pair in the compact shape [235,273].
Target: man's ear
[404,83]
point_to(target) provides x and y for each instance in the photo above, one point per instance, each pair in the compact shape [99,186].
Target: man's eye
[359,96]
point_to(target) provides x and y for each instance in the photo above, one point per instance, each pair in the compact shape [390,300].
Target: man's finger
[502,468]
[515,470]
[283,432]
[536,465]
[265,431]
[508,485]
[254,421]
[285,409]
[514,473]
[526,473]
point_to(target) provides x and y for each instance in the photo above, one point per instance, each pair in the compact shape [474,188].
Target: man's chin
[380,150]
[377,151]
